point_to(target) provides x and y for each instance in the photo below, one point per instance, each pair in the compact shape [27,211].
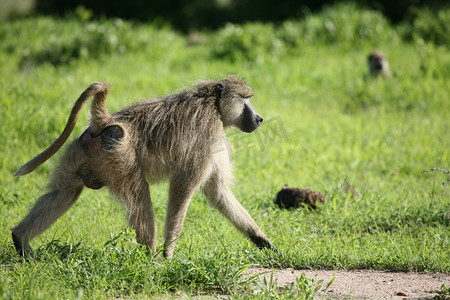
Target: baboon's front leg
[220,196]
[140,210]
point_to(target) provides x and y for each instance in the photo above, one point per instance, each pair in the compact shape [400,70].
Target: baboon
[179,137]
[378,64]
[295,198]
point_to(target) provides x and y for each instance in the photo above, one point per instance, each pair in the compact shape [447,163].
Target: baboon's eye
[219,89]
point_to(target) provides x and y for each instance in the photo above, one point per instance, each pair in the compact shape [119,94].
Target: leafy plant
[252,41]
[343,24]
[443,292]
[64,41]
[430,26]
[302,288]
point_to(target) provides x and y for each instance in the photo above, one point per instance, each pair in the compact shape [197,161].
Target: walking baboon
[378,64]
[179,137]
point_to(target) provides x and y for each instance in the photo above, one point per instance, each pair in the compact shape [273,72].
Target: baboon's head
[233,102]
[377,63]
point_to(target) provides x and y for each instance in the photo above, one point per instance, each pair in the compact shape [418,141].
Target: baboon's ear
[219,89]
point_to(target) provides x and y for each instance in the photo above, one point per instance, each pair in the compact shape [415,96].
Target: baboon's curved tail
[100,90]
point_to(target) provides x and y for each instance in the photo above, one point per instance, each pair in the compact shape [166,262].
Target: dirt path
[365,284]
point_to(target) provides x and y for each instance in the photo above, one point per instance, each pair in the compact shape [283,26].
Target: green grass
[325,125]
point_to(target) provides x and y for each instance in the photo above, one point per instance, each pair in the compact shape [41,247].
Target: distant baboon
[378,64]
[179,137]
[295,198]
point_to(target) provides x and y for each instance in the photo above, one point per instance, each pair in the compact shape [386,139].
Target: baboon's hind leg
[65,188]
[45,212]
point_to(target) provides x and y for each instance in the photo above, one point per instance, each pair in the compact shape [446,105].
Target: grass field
[325,125]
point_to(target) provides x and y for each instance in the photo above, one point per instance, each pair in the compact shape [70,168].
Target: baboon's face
[377,64]
[236,109]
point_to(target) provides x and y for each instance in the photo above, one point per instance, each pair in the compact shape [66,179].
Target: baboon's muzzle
[251,119]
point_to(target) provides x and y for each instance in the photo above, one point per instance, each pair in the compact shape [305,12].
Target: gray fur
[179,137]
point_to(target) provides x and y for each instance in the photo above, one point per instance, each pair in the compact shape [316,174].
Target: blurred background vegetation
[206,14]
[90,29]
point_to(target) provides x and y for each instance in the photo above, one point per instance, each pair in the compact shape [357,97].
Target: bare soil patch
[364,284]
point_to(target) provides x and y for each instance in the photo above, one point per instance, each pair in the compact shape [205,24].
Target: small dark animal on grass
[295,198]
[179,137]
